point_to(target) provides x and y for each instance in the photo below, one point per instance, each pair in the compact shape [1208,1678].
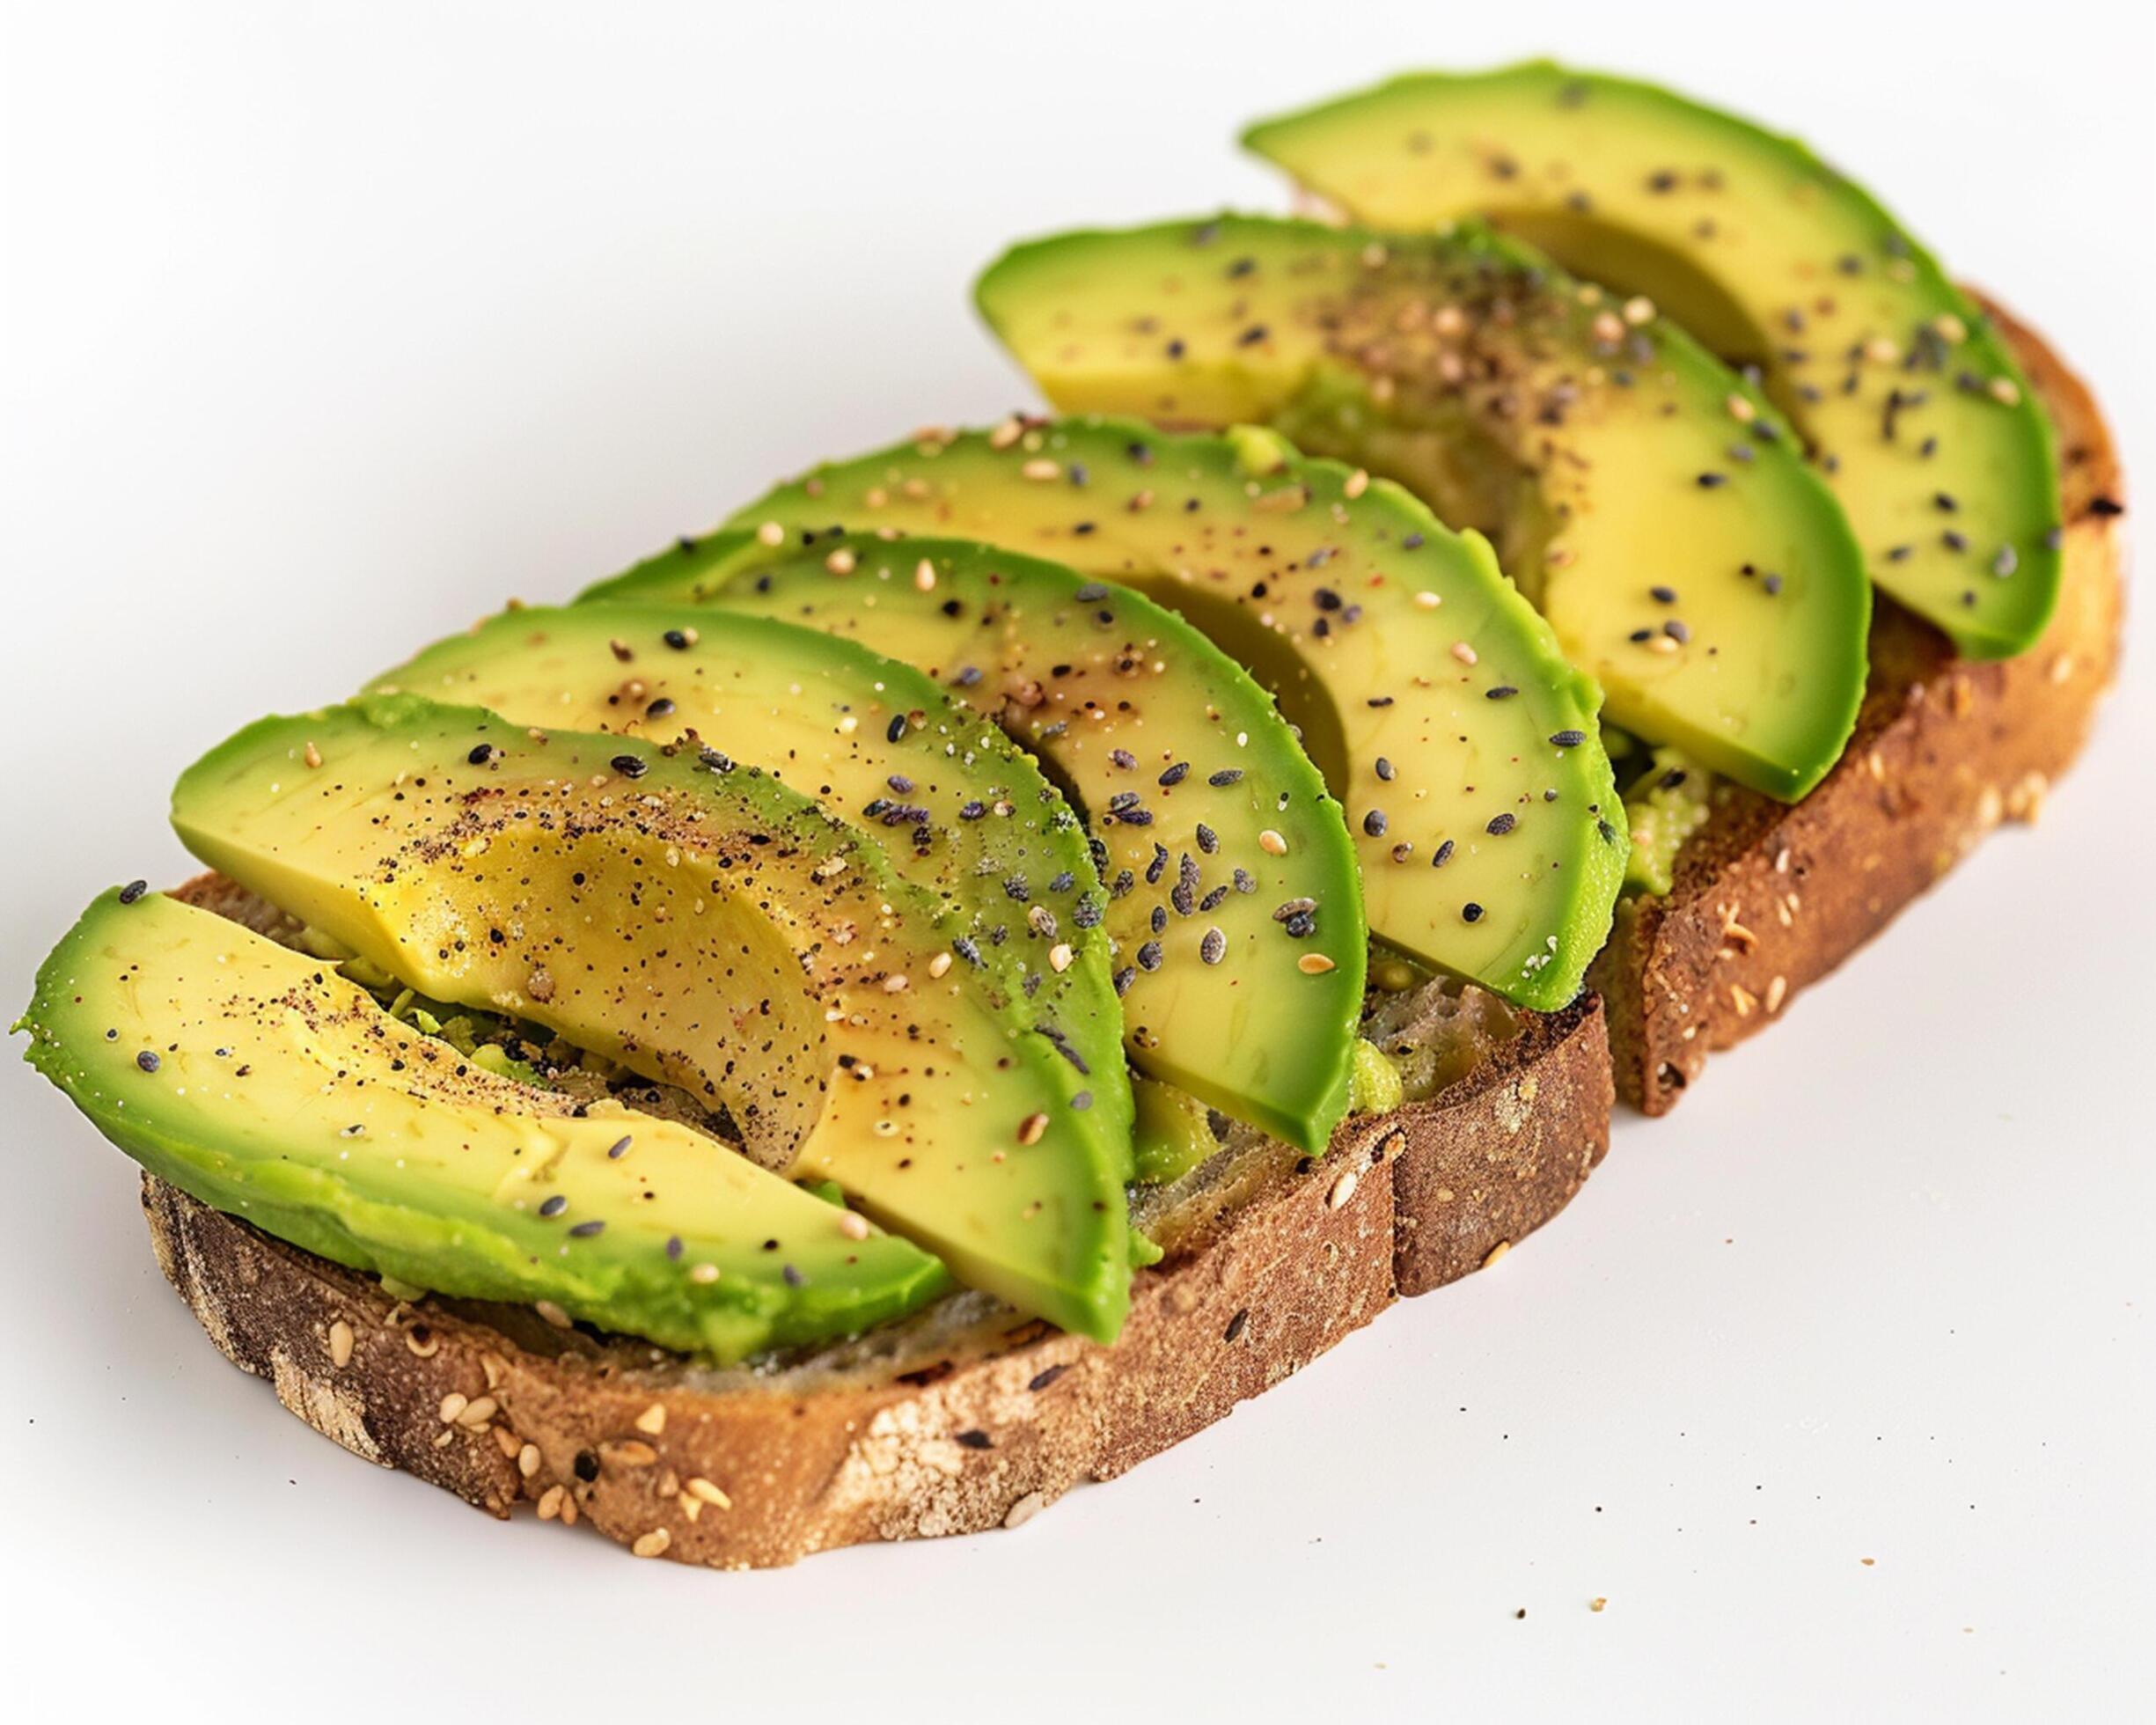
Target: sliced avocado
[954,806]
[1231,889]
[261,1081]
[1913,407]
[1640,494]
[703,926]
[1433,699]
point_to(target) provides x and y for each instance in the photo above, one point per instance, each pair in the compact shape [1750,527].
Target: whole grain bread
[963,1416]
[1769,897]
[967,1417]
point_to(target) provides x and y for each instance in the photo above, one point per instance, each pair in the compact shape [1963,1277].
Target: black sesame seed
[895,728]
[1568,740]
[147,1060]
[677,639]
[1384,769]
[1676,631]
[1500,825]
[1663,595]
[1226,776]
[1470,912]
[1149,956]
[1213,947]
[1502,692]
[132,891]
[1176,775]
[630,767]
[619,1148]
[585,1230]
[1208,841]
[1441,855]
[481,755]
[1374,823]
[555,1206]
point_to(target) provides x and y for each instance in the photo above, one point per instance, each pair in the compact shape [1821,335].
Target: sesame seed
[1041,468]
[1500,825]
[1032,1129]
[1462,652]
[924,576]
[585,1230]
[679,640]
[1213,947]
[1568,740]
[653,1544]
[132,891]
[1314,963]
[554,1205]
[1470,912]
[1272,843]
[147,1060]
[630,767]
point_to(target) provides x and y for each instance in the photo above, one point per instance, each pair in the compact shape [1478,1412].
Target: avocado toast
[861,1389]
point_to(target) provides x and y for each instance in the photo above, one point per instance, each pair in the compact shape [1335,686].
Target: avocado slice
[953,804]
[1433,699]
[703,925]
[1911,403]
[261,1081]
[1232,895]
[1645,499]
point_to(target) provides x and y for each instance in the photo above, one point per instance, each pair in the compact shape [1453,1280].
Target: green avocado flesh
[705,927]
[952,804]
[1644,497]
[1480,819]
[1911,401]
[258,1079]
[1227,866]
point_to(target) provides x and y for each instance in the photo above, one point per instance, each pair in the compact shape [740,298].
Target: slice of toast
[965,1416]
[1768,898]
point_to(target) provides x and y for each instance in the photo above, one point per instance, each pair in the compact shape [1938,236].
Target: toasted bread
[962,1418]
[966,1417]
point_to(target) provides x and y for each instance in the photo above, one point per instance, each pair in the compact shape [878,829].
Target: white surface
[323,334]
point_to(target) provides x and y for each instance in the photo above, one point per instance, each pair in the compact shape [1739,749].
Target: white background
[326,328]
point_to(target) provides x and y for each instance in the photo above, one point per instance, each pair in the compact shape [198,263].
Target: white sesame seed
[771,533]
[924,576]
[653,1544]
[1314,964]
[841,562]
[652,1420]
[1462,652]
[340,1339]
[1041,468]
[853,1225]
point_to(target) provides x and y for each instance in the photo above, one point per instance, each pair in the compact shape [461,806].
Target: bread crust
[1768,898]
[964,1419]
